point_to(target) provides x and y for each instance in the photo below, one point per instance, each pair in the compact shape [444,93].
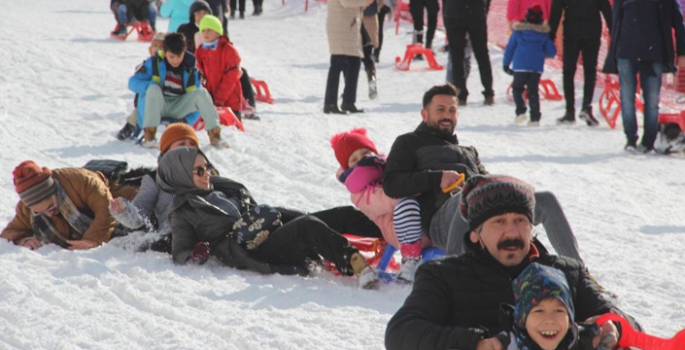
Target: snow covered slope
[63,96]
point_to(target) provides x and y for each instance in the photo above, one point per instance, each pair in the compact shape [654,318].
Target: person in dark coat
[206,207]
[582,33]
[126,11]
[641,43]
[429,160]
[455,301]
[468,16]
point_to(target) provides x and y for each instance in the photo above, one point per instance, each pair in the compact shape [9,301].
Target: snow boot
[411,259]
[366,274]
[215,138]
[149,138]
[126,132]
[120,31]
[586,115]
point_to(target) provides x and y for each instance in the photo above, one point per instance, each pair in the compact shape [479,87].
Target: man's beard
[436,127]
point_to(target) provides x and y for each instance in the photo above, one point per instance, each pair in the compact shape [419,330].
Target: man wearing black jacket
[428,160]
[469,16]
[582,34]
[455,302]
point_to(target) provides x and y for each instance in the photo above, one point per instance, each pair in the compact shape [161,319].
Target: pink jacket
[516,9]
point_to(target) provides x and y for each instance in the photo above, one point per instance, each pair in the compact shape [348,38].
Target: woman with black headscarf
[206,208]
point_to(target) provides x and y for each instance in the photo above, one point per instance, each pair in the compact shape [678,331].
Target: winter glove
[508,70]
[200,253]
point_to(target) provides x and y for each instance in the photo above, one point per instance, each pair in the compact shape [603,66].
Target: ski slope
[63,96]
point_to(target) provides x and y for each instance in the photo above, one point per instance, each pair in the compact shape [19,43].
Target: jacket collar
[491,271]
[425,129]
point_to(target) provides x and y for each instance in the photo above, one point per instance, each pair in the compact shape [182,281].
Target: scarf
[211,45]
[46,232]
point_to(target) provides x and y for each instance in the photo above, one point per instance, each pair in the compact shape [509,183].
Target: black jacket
[455,301]
[581,18]
[415,166]
[671,18]
[466,9]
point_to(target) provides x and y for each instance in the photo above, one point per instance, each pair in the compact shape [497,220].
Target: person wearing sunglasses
[206,208]
[148,210]
[66,206]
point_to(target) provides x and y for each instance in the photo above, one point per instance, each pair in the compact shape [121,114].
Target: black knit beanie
[485,196]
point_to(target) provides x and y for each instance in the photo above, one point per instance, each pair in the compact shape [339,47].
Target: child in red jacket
[219,63]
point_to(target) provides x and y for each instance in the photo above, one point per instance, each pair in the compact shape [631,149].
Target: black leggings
[384,11]
[416,8]
[572,49]
[303,239]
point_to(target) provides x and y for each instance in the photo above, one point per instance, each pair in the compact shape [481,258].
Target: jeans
[650,82]
[349,66]
[527,81]
[572,49]
[122,12]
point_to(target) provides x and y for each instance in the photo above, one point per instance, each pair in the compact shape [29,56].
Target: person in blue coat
[528,47]
[177,12]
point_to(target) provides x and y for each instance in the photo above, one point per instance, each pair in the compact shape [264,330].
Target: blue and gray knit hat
[536,283]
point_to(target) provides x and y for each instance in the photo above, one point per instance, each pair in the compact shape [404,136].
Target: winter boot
[366,274]
[242,14]
[257,10]
[149,138]
[232,14]
[126,132]
[120,31]
[215,138]
[567,119]
[332,109]
[350,108]
[489,100]
[411,259]
[520,119]
[586,115]
[373,89]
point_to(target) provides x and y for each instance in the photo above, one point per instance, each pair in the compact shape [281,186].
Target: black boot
[332,109]
[567,119]
[120,30]
[232,14]
[242,14]
[126,132]
[586,115]
[351,108]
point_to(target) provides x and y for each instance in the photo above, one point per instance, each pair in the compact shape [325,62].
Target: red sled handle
[632,338]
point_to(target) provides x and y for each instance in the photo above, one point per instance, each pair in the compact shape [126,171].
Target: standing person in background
[382,13]
[369,42]
[516,10]
[462,17]
[177,12]
[125,11]
[219,9]
[582,33]
[240,5]
[343,26]
[416,9]
[641,42]
[257,7]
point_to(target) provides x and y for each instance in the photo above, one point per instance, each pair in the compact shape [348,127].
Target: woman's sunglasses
[201,170]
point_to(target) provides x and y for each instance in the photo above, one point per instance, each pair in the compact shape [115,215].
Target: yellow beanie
[213,23]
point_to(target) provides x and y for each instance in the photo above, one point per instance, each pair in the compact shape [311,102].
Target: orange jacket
[90,194]
[221,70]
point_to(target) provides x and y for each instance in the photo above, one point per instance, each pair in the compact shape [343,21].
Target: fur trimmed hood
[541,28]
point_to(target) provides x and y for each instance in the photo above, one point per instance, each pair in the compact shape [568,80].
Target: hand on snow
[116,205]
[32,243]
[508,70]
[81,244]
[448,178]
[200,253]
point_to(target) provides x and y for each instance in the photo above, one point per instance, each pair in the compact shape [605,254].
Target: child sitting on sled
[132,120]
[543,316]
[219,62]
[361,170]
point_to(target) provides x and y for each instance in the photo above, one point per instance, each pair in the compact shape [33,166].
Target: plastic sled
[547,89]
[263,93]
[144,30]
[403,64]
[631,338]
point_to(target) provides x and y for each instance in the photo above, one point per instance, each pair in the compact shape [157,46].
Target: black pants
[527,81]
[306,238]
[456,35]
[369,64]
[240,7]
[384,11]
[348,219]
[246,85]
[572,49]
[349,66]
[257,2]
[416,9]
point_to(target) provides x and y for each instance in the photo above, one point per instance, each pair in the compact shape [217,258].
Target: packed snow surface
[63,96]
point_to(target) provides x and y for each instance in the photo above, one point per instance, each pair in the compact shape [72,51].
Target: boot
[586,115]
[242,14]
[411,259]
[418,39]
[126,132]
[351,108]
[567,119]
[489,100]
[366,274]
[149,137]
[215,138]
[332,109]
[232,14]
[257,10]
[120,31]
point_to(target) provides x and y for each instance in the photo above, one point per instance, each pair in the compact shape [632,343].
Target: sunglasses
[201,170]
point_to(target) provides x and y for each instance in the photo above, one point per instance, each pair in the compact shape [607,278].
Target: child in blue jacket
[168,84]
[528,47]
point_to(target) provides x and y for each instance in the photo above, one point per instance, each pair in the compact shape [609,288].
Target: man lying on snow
[66,206]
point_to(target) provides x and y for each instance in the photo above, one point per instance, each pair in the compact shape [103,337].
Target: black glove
[508,70]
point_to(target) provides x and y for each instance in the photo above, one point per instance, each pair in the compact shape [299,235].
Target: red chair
[413,50]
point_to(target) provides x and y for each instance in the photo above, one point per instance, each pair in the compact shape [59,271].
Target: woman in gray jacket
[205,208]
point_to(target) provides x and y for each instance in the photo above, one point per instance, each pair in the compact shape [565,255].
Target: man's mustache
[510,243]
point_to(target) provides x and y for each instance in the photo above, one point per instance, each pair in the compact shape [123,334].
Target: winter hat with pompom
[345,143]
[33,183]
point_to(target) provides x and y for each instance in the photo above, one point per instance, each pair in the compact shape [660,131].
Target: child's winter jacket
[528,47]
[221,69]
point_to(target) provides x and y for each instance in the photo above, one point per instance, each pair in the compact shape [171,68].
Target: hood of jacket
[197,6]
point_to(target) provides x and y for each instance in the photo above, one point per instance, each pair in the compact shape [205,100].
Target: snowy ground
[63,96]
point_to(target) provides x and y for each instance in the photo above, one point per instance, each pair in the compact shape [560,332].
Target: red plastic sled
[144,30]
[635,339]
[411,52]
[263,93]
